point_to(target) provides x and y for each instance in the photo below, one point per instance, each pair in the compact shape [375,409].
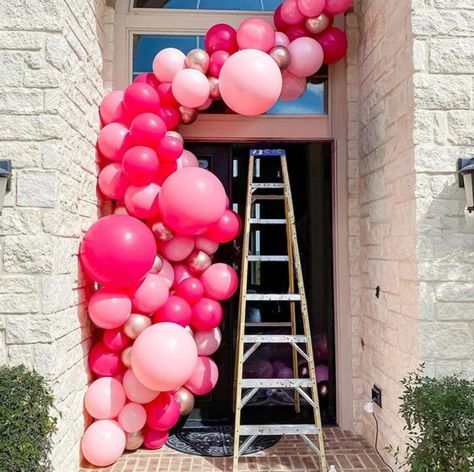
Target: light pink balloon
[167,63]
[220,281]
[250,82]
[256,33]
[135,391]
[113,182]
[164,356]
[167,273]
[281,39]
[306,57]
[111,109]
[142,200]
[178,248]
[109,308]
[293,87]
[132,417]
[151,294]
[113,141]
[104,398]
[103,443]
[208,342]
[206,245]
[191,88]
[290,13]
[187,159]
[311,8]
[204,377]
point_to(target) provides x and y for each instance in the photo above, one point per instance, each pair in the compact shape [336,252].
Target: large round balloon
[191,200]
[250,82]
[104,398]
[117,251]
[164,357]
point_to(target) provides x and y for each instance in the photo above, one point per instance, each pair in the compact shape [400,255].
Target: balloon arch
[158,294]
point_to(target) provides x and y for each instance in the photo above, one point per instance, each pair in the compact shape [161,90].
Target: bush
[439,416]
[26,425]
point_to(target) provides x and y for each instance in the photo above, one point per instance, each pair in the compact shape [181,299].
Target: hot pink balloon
[111,109]
[208,342]
[220,281]
[181,272]
[113,182]
[204,377]
[178,248]
[170,149]
[176,351]
[281,39]
[116,339]
[278,21]
[293,87]
[104,398]
[167,273]
[113,141]
[337,7]
[217,61]
[109,309]
[147,78]
[170,116]
[141,201]
[204,244]
[141,98]
[103,362]
[191,290]
[296,31]
[226,229]
[166,94]
[151,294]
[155,439]
[132,417]
[250,82]
[140,164]
[221,37]
[103,443]
[163,412]
[290,13]
[306,57]
[187,159]
[191,88]
[147,129]
[135,391]
[333,42]
[167,63]
[191,200]
[206,314]
[256,33]
[311,8]
[175,310]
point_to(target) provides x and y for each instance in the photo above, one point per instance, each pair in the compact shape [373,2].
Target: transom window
[242,5]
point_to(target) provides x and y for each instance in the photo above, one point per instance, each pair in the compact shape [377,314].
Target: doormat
[214,441]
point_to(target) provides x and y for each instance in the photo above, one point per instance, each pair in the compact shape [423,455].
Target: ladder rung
[275,338]
[276,383]
[267,221]
[278,429]
[273,297]
[268,258]
[268,185]
[269,325]
[268,197]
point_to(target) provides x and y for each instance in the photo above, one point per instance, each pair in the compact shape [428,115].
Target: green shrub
[26,425]
[439,416]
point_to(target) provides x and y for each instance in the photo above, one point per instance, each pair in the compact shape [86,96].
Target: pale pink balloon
[151,294]
[311,8]
[220,281]
[290,14]
[164,356]
[281,39]
[187,159]
[178,248]
[132,417]
[256,33]
[111,109]
[103,443]
[293,87]
[250,82]
[167,273]
[208,342]
[135,391]
[191,88]
[109,308]
[104,398]
[141,201]
[204,376]
[113,141]
[306,57]
[112,181]
[206,245]
[181,272]
[167,63]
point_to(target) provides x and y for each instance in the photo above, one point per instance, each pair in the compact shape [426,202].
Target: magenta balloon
[220,281]
[250,82]
[117,250]
[151,294]
[306,57]
[281,39]
[206,314]
[135,391]
[290,13]
[191,290]
[113,182]
[147,129]
[109,309]
[311,8]
[278,21]
[226,229]
[141,201]
[337,7]
[104,362]
[163,412]
[170,149]
[297,31]
[113,141]
[221,37]
[191,200]
[256,33]
[164,356]
[147,78]
[103,443]
[155,439]
[208,342]
[104,398]
[140,164]
[204,377]
[217,61]
[116,339]
[191,88]
[178,248]
[322,372]
[334,44]
[293,87]
[141,98]
[167,63]
[111,109]
[175,310]
[132,417]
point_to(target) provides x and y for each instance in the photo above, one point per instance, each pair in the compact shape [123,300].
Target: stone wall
[51,58]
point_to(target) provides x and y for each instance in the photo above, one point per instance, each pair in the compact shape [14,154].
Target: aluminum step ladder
[301,343]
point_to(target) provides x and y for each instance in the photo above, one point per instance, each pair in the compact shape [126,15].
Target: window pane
[312,102]
[242,5]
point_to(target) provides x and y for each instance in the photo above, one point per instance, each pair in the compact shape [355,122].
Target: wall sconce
[466,180]
[5,180]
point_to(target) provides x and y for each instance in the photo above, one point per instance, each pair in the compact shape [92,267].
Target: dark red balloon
[334,44]
[175,310]
[162,413]
[147,129]
[140,97]
[279,22]
[207,314]
[170,116]
[169,149]
[217,61]
[166,95]
[147,78]
[221,37]
[155,439]
[190,289]
[295,32]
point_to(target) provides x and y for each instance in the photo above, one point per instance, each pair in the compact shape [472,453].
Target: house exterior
[400,114]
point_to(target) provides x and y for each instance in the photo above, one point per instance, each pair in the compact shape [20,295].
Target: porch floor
[348,453]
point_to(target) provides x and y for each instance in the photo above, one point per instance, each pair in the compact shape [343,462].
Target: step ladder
[301,344]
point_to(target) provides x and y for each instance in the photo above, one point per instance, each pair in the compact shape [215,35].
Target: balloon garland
[158,290]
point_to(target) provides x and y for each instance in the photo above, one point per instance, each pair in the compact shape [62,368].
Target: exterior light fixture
[5,180]
[466,180]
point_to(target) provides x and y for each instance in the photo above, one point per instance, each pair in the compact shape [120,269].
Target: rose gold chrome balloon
[175,134]
[120,210]
[126,356]
[157,265]
[215,92]
[134,440]
[188,115]
[198,261]
[185,400]
[161,232]
[135,325]
[318,24]
[198,59]
[281,56]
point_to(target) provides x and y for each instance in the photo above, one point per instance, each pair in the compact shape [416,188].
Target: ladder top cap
[267,152]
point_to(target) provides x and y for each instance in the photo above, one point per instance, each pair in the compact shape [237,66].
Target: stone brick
[57,293]
[28,254]
[432,23]
[452,56]
[447,340]
[11,69]
[37,189]
[19,40]
[442,92]
[455,292]
[28,329]
[21,101]
[452,311]
[461,4]
[460,126]
[16,221]
[30,128]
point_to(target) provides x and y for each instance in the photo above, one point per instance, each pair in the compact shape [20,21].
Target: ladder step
[276,383]
[273,297]
[268,197]
[268,185]
[268,325]
[275,338]
[277,429]
[268,258]
[263,221]
[267,152]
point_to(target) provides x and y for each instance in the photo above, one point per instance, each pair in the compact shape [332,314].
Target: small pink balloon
[140,164]
[178,248]
[187,159]
[142,200]
[281,39]
[141,98]
[111,109]
[306,57]
[116,339]
[204,244]
[113,141]
[103,362]
[255,33]
[132,417]
[311,8]
[113,182]
[204,377]
[162,413]
[109,308]
[104,398]
[103,443]
[147,129]
[220,281]
[154,440]
[208,342]
[181,272]
[167,273]
[191,88]
[175,310]
[337,7]
[333,42]
[167,63]
[290,13]
[191,290]
[207,314]
[217,61]
[293,87]
[135,391]
[226,229]
[151,294]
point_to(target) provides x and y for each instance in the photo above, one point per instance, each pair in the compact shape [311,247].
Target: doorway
[310,170]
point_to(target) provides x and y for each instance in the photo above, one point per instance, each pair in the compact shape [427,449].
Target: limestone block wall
[51,61]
